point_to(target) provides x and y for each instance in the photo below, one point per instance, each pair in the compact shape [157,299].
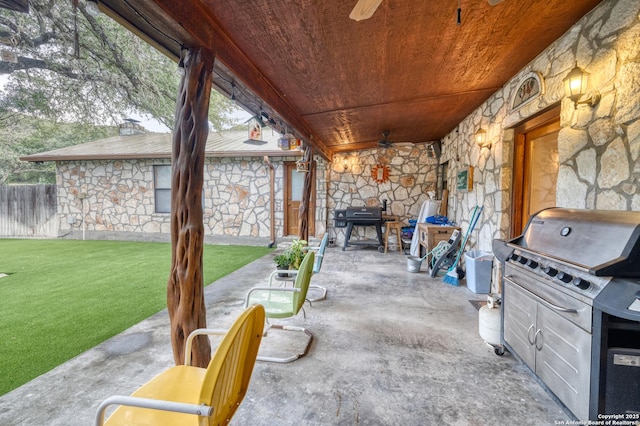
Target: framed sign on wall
[464,181]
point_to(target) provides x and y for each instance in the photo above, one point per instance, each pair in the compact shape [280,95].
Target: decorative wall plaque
[380,172]
[531,87]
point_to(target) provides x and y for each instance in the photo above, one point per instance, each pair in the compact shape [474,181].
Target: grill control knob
[532,264]
[523,260]
[581,283]
[514,257]
[552,272]
[564,277]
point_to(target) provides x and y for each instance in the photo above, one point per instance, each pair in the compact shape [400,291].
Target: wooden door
[535,168]
[294,183]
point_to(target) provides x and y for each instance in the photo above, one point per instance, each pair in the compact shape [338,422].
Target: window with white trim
[162,188]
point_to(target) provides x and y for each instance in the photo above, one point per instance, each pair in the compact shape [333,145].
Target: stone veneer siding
[598,147]
[413,175]
[119,197]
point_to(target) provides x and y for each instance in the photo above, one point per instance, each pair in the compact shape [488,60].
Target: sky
[155,126]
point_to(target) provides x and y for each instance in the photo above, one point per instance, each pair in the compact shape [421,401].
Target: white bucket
[414,263]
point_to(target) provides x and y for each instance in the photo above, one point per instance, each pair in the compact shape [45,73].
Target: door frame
[290,166]
[518,168]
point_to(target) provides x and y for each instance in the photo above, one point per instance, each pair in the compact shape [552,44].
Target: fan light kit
[364,9]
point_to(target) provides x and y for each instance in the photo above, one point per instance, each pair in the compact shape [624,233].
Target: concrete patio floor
[390,348]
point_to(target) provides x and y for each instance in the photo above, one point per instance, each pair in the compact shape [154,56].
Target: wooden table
[430,235]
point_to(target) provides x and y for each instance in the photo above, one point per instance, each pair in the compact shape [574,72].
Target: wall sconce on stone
[575,87]
[345,164]
[481,138]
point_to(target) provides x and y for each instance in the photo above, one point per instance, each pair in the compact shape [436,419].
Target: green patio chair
[318,264]
[285,302]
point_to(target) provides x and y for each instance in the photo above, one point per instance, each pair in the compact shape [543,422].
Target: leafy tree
[73,66]
[81,70]
[23,135]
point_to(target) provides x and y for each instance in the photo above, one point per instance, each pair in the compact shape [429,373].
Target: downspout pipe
[272,201]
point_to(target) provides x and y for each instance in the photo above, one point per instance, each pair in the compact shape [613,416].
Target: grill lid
[606,243]
[366,213]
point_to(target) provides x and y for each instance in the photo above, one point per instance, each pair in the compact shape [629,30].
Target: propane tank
[489,323]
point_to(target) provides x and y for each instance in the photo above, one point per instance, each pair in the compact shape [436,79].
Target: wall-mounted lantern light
[575,87]
[481,138]
[345,164]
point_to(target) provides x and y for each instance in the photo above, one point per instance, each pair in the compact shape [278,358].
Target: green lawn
[62,297]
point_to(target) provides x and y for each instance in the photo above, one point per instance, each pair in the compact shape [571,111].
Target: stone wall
[413,174]
[118,196]
[598,147]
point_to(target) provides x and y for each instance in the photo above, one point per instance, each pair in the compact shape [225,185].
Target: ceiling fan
[385,142]
[364,9]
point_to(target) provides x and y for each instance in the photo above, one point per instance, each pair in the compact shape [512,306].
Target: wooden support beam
[185,288]
[303,217]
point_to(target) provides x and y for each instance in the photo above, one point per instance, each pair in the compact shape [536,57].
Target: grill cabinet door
[563,361]
[554,348]
[520,323]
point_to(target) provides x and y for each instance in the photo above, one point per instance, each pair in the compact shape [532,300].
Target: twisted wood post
[185,288]
[303,214]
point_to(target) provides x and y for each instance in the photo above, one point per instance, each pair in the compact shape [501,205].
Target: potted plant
[283,262]
[296,252]
[291,257]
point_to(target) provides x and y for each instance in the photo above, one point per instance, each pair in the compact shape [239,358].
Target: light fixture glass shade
[92,8]
[364,9]
[575,83]
[481,137]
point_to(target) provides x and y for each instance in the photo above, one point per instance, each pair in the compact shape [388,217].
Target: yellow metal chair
[186,395]
[285,302]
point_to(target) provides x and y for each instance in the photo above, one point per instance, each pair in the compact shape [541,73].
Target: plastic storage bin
[479,265]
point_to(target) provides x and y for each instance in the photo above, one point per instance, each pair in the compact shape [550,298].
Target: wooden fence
[28,211]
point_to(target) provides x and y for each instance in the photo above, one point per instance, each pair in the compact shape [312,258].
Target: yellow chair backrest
[187,395]
[227,378]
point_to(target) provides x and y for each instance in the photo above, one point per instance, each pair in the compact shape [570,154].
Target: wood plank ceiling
[410,69]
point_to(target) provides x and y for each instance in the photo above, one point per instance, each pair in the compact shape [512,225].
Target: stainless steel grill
[571,284]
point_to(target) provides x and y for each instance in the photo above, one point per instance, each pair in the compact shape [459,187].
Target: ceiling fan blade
[494,2]
[364,9]
[404,146]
